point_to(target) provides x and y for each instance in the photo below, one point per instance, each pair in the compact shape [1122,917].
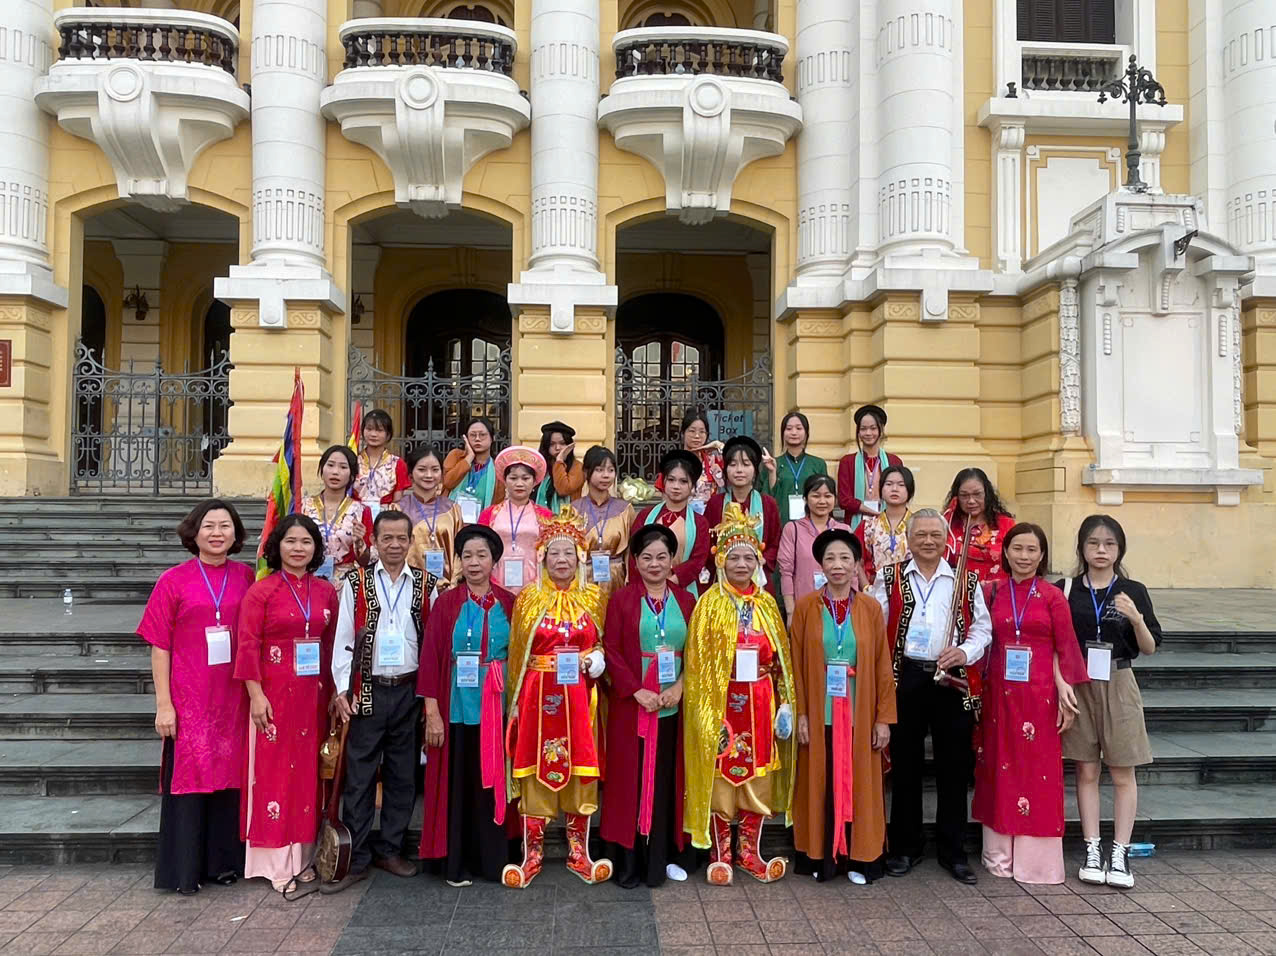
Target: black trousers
[386,739]
[476,845]
[198,834]
[925,707]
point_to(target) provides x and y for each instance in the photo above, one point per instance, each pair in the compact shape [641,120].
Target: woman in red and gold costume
[738,707]
[555,660]
[972,498]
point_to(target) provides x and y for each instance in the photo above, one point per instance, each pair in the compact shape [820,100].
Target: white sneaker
[1092,869]
[1119,874]
[859,879]
[675,872]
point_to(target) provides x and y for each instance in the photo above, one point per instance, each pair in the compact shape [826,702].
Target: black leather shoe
[961,872]
[901,865]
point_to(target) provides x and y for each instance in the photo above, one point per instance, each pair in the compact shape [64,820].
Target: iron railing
[146,430]
[454,47]
[160,42]
[649,410]
[434,408]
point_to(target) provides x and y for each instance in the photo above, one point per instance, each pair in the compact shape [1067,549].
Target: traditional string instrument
[965,679]
[335,844]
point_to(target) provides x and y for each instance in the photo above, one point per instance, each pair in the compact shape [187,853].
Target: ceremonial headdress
[568,524]
[521,455]
[644,534]
[688,460]
[738,530]
[494,542]
[876,411]
[826,538]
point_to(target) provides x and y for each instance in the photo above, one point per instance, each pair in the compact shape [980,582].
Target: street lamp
[1134,86]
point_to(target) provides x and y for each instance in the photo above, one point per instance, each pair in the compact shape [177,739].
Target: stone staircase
[79,758]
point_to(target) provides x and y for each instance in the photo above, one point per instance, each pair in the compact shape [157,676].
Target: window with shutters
[1067,21]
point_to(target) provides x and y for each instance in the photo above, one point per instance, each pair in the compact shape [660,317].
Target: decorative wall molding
[282,52]
[923,30]
[1069,358]
[283,212]
[566,221]
[915,207]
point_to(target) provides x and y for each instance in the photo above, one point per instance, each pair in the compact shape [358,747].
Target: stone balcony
[699,103]
[152,88]
[431,97]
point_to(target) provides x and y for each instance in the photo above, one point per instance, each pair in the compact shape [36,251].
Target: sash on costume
[491,736]
[843,768]
[649,732]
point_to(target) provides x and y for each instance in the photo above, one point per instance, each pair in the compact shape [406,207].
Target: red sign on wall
[6,363]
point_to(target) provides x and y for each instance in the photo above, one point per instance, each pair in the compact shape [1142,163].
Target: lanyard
[432,521]
[217,598]
[514,525]
[893,530]
[598,524]
[840,628]
[929,591]
[1099,605]
[661,613]
[476,475]
[305,609]
[796,472]
[743,610]
[470,617]
[815,532]
[385,589]
[326,526]
[374,483]
[1014,605]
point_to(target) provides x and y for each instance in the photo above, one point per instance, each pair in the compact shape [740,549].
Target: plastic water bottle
[66,602]
[1142,849]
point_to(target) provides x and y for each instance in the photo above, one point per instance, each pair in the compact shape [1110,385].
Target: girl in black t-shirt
[1114,621]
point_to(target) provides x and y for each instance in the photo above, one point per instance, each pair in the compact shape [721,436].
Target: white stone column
[1249,91]
[918,50]
[1007,195]
[28,41]
[827,73]
[564,269]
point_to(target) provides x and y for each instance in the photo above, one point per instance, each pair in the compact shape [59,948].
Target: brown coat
[874,703]
[455,468]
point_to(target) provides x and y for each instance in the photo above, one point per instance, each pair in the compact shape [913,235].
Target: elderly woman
[973,501]
[845,706]
[644,637]
[200,709]
[607,520]
[800,571]
[679,472]
[738,728]
[1028,700]
[462,681]
[516,517]
[555,660]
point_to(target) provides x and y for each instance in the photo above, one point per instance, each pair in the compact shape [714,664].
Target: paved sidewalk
[1185,903]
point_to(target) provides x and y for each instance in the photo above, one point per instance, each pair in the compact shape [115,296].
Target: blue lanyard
[1014,605]
[305,609]
[661,613]
[598,524]
[470,616]
[217,598]
[471,485]
[432,521]
[398,593]
[326,526]
[514,525]
[840,628]
[930,590]
[1099,606]
[796,472]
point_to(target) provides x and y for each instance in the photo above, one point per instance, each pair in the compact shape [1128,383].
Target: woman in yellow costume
[738,713]
[555,660]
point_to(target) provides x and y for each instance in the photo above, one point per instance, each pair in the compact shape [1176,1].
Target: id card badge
[1018,663]
[819,580]
[469,508]
[835,679]
[467,670]
[327,569]
[1098,660]
[390,649]
[917,643]
[666,668]
[512,577]
[746,664]
[306,658]
[434,563]
[218,638]
[697,506]
[797,507]
[600,566]
[568,667]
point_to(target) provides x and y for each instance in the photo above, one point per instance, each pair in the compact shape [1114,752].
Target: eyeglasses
[971,495]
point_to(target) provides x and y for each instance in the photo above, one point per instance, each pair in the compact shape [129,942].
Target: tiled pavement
[1216,903]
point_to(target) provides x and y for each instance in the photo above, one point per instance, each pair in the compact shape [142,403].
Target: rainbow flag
[356,419]
[285,491]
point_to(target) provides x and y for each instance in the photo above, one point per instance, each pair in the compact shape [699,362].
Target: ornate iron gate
[147,430]
[432,409]
[649,410]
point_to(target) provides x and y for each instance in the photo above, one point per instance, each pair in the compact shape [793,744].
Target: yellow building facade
[549,200]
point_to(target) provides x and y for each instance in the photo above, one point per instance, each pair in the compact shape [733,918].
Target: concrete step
[77,716]
[1202,669]
[118,504]
[96,588]
[1209,710]
[1220,642]
[66,768]
[65,674]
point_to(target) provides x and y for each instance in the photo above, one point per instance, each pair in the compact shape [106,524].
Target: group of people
[680,673]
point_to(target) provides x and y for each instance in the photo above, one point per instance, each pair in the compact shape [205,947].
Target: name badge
[568,667]
[600,566]
[835,679]
[218,644]
[797,507]
[819,580]
[469,508]
[917,642]
[697,506]
[1018,662]
[467,670]
[306,658]
[390,649]
[327,569]
[434,563]
[746,664]
[512,577]
[666,666]
[1098,661]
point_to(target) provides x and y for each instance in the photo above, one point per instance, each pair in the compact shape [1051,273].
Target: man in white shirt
[916,598]
[374,667]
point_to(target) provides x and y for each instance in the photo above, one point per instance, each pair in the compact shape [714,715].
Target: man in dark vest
[916,599]
[379,628]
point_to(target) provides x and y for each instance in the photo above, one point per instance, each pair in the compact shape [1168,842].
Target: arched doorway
[90,359]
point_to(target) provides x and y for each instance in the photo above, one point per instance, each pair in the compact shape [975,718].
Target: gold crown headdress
[568,523]
[737,528]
